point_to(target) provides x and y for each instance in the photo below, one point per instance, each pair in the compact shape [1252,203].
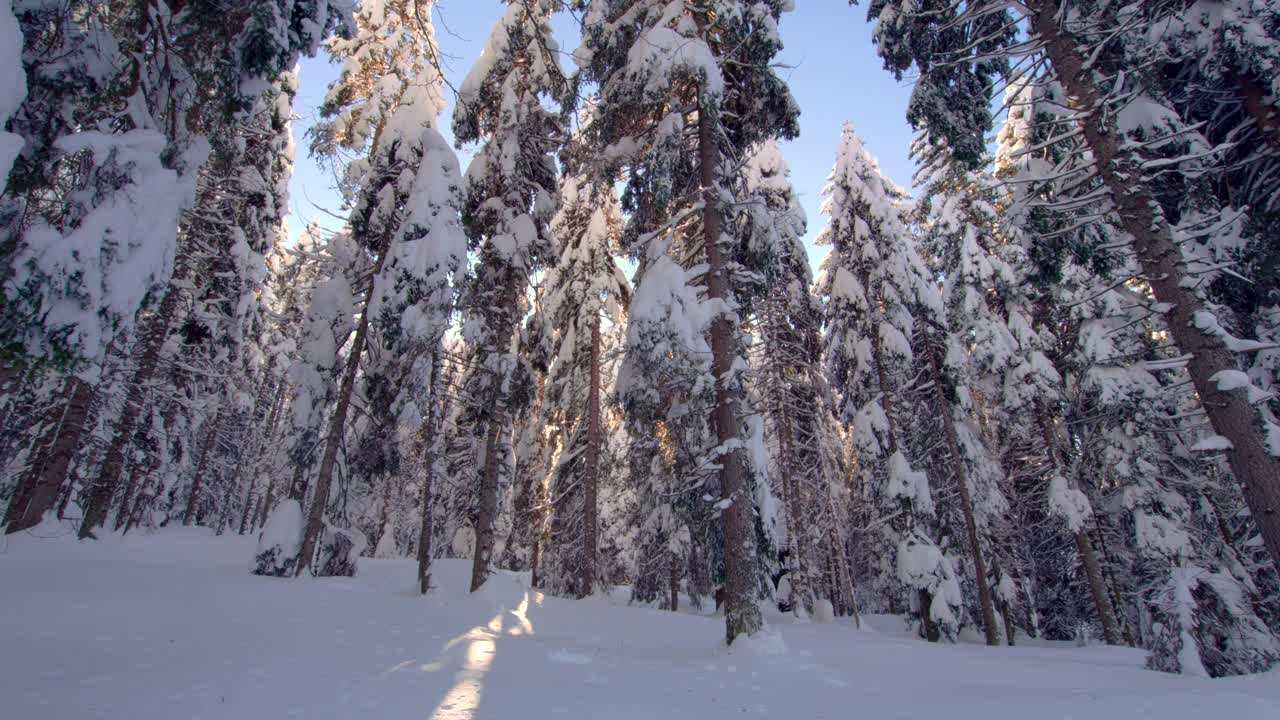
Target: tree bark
[674,584]
[741,615]
[1256,105]
[430,433]
[591,470]
[333,438]
[202,466]
[488,510]
[989,627]
[1097,586]
[1229,411]
[29,506]
[248,515]
[487,514]
[150,344]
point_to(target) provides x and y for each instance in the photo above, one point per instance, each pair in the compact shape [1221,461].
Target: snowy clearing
[172,625]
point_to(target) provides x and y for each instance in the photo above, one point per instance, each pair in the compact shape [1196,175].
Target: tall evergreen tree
[511,186]
[1134,136]
[657,62]
[407,191]
[873,282]
[585,291]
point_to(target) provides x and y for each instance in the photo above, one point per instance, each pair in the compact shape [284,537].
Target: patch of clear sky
[829,62]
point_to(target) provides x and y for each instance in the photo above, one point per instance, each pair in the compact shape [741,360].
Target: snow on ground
[172,626]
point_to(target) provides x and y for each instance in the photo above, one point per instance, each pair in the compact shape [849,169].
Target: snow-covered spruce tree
[13,90]
[1193,602]
[511,186]
[534,444]
[189,52]
[121,96]
[1059,257]
[686,89]
[238,217]
[871,282]
[584,292]
[1218,65]
[1127,125]
[459,450]
[386,99]
[1127,430]
[808,455]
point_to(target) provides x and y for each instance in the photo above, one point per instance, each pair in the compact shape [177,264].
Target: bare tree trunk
[741,615]
[430,440]
[966,503]
[487,515]
[488,510]
[1229,411]
[591,470]
[674,584]
[202,465]
[256,464]
[29,505]
[1097,587]
[150,344]
[333,438]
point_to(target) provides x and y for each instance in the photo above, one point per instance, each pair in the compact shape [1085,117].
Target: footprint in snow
[569,658]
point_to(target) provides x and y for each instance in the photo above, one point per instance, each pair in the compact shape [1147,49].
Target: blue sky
[834,74]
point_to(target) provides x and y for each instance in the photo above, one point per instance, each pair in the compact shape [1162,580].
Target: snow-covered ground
[172,626]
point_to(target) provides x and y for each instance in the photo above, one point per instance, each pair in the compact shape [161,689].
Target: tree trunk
[202,465]
[333,438]
[1256,105]
[150,344]
[429,436]
[535,559]
[29,505]
[488,510]
[741,615]
[674,584]
[1097,587]
[927,625]
[487,514]
[591,470]
[269,433]
[966,503]
[1229,411]
[786,464]
[1008,623]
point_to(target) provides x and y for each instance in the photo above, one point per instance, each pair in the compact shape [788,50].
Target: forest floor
[172,626]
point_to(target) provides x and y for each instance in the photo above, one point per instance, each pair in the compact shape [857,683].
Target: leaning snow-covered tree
[1137,143]
[406,193]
